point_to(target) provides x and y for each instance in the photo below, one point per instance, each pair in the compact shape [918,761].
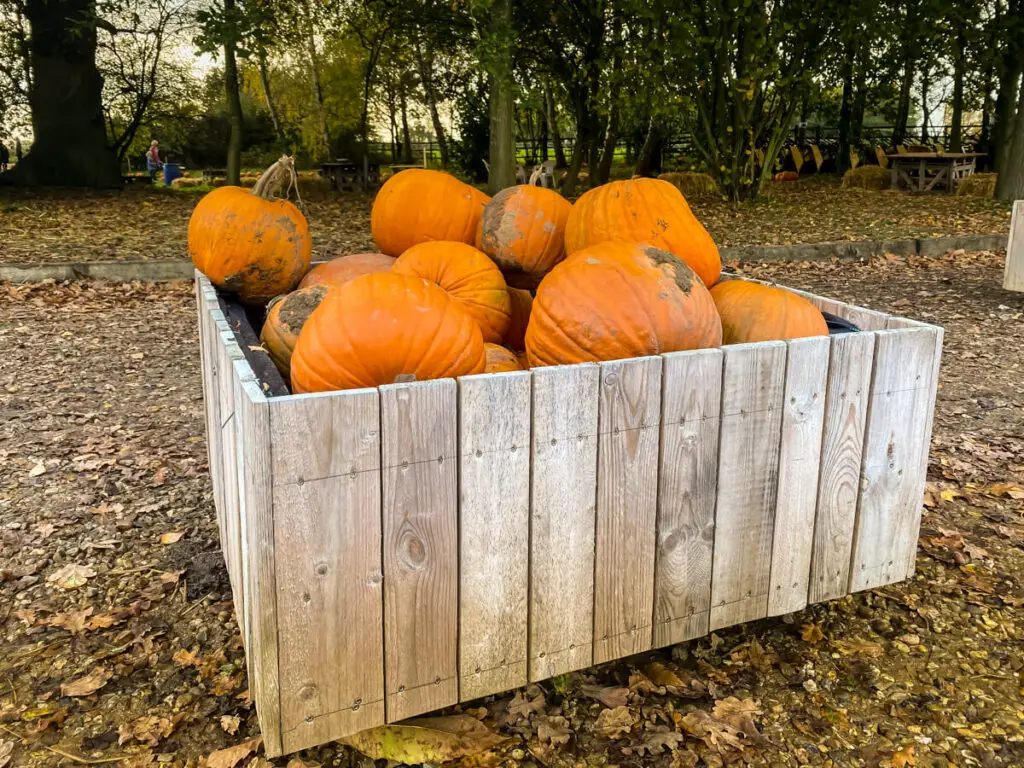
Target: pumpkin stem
[272,179]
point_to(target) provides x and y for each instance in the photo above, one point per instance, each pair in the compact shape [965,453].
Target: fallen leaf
[523,705]
[171,538]
[185,658]
[230,723]
[229,757]
[426,740]
[711,730]
[613,723]
[1005,489]
[740,714]
[609,696]
[298,762]
[26,616]
[859,647]
[554,730]
[659,674]
[812,633]
[71,576]
[904,757]
[655,741]
[148,729]
[37,470]
[6,750]
[88,685]
[170,577]
[45,529]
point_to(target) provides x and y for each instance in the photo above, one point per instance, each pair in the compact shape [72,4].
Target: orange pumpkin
[468,276]
[643,211]
[344,268]
[285,318]
[523,230]
[523,359]
[755,312]
[384,328]
[615,300]
[521,303]
[786,176]
[248,242]
[418,205]
[500,359]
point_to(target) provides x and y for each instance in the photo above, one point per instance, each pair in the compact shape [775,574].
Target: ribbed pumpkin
[524,360]
[384,328]
[418,205]
[468,276]
[521,302]
[523,230]
[643,211]
[343,268]
[756,312]
[616,300]
[500,359]
[249,242]
[285,318]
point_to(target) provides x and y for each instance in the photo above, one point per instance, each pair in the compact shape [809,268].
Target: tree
[70,142]
[497,60]
[1010,184]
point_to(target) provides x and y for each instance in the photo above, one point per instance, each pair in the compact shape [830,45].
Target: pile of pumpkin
[467,284]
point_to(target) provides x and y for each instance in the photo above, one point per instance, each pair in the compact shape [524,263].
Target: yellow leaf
[230,756]
[170,538]
[812,633]
[426,740]
[659,674]
[904,757]
[85,686]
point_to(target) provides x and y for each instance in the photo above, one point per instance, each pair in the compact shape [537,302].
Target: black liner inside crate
[246,323]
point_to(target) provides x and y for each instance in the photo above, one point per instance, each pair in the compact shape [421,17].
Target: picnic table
[348,174]
[924,171]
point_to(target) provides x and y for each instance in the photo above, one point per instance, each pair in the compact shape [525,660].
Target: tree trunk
[611,136]
[426,67]
[542,127]
[957,119]
[846,109]
[318,90]
[551,116]
[265,83]
[70,146]
[1010,184]
[234,160]
[925,86]
[502,148]
[649,161]
[899,130]
[1006,100]
[406,141]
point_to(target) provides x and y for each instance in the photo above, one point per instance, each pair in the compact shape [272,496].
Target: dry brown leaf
[88,685]
[298,762]
[655,741]
[659,674]
[74,622]
[859,647]
[711,731]
[640,683]
[740,714]
[6,750]
[523,705]
[229,757]
[613,723]
[1005,489]
[812,633]
[71,576]
[171,537]
[26,616]
[37,470]
[148,729]
[554,730]
[904,757]
[230,723]
[426,740]
[611,697]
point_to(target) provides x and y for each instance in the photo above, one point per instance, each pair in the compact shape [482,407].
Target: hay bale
[867,177]
[692,184]
[978,185]
[185,182]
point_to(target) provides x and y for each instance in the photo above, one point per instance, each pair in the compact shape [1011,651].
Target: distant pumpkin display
[754,312]
[419,205]
[341,269]
[643,211]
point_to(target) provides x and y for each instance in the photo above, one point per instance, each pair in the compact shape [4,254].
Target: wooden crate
[397,550]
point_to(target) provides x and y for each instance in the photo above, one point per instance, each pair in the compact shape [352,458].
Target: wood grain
[753,381]
[688,468]
[562,511]
[327,540]
[842,443]
[627,502]
[1013,274]
[895,448]
[231,538]
[420,547]
[803,415]
[494,532]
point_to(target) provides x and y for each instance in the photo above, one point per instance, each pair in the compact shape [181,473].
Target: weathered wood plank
[1013,274]
[688,469]
[895,449]
[562,509]
[211,345]
[627,502]
[846,405]
[753,381]
[231,541]
[259,583]
[420,547]
[494,531]
[327,540]
[803,415]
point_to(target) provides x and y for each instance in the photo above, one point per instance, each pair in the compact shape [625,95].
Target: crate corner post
[1013,275]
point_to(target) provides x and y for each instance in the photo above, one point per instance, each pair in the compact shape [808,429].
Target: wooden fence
[397,550]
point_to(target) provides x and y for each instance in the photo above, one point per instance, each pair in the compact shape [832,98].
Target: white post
[1013,277]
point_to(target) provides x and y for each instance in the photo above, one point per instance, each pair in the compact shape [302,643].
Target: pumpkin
[418,205]
[285,317]
[384,328]
[500,359]
[521,303]
[248,242]
[643,211]
[523,230]
[344,268]
[786,176]
[756,312]
[615,300]
[468,276]
[523,359]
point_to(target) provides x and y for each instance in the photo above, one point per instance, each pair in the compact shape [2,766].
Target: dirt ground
[118,644]
[152,223]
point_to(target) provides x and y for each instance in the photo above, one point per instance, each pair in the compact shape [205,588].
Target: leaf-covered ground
[118,643]
[151,223]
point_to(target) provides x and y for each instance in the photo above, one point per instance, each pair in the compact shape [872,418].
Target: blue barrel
[172,171]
